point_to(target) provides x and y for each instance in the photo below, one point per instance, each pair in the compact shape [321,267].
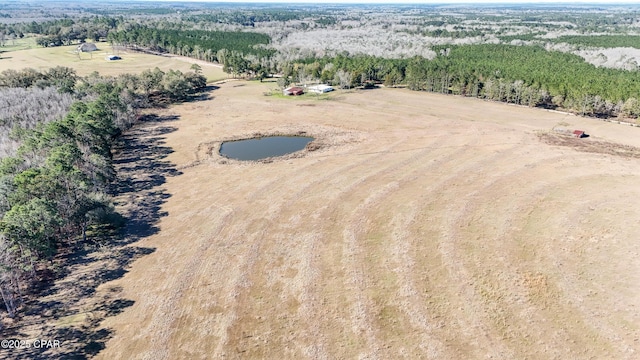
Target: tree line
[248,18]
[196,43]
[63,31]
[525,75]
[600,41]
[238,52]
[54,190]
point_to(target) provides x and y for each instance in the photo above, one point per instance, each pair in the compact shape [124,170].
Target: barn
[579,133]
[87,47]
[294,90]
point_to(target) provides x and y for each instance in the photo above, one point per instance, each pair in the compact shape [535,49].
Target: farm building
[113,57]
[293,90]
[579,133]
[87,47]
[322,88]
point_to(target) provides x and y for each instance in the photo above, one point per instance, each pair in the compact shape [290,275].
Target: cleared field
[86,63]
[18,44]
[425,226]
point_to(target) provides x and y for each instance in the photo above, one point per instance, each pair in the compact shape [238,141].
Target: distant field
[86,63]
[18,44]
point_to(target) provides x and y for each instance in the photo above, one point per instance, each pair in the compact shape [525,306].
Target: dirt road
[425,226]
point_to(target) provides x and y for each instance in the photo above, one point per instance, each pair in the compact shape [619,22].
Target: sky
[424,1]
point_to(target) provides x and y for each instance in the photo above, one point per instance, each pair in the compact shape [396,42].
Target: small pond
[262,148]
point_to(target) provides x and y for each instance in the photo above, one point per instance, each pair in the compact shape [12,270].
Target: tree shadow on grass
[142,170]
[62,311]
[203,94]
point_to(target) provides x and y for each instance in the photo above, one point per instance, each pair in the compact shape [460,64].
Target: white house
[319,89]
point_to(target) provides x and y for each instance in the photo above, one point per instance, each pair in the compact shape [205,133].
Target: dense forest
[56,173]
[601,41]
[62,31]
[235,50]
[248,19]
[525,75]
[197,42]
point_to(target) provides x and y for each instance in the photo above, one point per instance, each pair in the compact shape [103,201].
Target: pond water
[261,148]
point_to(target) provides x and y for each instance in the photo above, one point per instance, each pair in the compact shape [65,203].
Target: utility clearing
[420,226]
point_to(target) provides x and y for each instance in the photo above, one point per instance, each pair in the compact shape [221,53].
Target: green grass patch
[73,320]
[18,44]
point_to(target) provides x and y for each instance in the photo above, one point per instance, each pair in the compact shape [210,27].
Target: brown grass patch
[589,145]
[425,226]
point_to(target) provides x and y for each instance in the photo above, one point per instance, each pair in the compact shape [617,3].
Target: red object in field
[294,90]
[578,133]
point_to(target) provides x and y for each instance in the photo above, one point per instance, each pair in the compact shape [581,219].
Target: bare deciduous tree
[344,79]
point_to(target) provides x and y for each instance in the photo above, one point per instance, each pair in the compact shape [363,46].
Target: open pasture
[86,63]
[17,44]
[425,226]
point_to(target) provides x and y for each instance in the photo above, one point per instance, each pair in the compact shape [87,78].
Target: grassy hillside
[86,63]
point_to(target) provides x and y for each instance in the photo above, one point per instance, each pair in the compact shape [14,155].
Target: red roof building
[294,90]
[578,133]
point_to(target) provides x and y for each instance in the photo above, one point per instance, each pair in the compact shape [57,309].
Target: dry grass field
[425,226]
[86,63]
